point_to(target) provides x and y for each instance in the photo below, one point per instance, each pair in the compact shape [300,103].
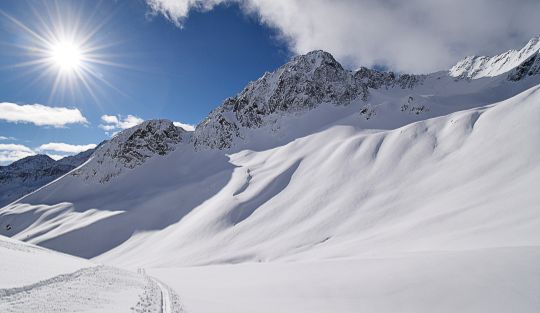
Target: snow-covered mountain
[474,67]
[28,174]
[345,178]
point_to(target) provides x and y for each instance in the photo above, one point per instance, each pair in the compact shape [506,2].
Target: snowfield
[481,280]
[419,195]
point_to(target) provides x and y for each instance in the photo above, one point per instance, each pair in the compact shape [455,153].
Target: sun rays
[63,48]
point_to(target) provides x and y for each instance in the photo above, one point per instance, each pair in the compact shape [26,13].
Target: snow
[484,280]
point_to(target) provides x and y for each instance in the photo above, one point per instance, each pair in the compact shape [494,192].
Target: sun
[67,56]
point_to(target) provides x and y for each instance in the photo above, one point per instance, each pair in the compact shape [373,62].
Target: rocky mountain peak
[131,148]
[529,67]
[301,84]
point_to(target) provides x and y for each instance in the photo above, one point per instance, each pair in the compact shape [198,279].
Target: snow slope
[342,192]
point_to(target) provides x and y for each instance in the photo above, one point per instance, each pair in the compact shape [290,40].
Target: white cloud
[40,115]
[412,36]
[13,152]
[187,127]
[116,123]
[6,138]
[107,127]
[65,147]
[129,122]
[111,119]
[176,11]
[14,147]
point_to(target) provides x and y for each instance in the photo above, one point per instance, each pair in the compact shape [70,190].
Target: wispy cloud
[13,152]
[65,147]
[177,10]
[413,36]
[40,115]
[7,138]
[188,127]
[114,123]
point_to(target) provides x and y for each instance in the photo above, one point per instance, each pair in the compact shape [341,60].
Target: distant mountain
[28,174]
[474,67]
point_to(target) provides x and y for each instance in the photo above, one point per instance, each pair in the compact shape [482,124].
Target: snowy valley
[315,189]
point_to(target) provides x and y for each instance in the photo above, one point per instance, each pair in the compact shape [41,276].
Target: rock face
[131,148]
[474,67]
[376,79]
[28,174]
[529,67]
[302,84]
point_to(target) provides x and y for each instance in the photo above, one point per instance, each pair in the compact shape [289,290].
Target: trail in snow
[166,302]
[170,301]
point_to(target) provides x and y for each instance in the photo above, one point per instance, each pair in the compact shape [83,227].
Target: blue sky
[73,72]
[156,70]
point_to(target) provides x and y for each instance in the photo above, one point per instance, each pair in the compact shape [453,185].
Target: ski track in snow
[170,301]
[166,302]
